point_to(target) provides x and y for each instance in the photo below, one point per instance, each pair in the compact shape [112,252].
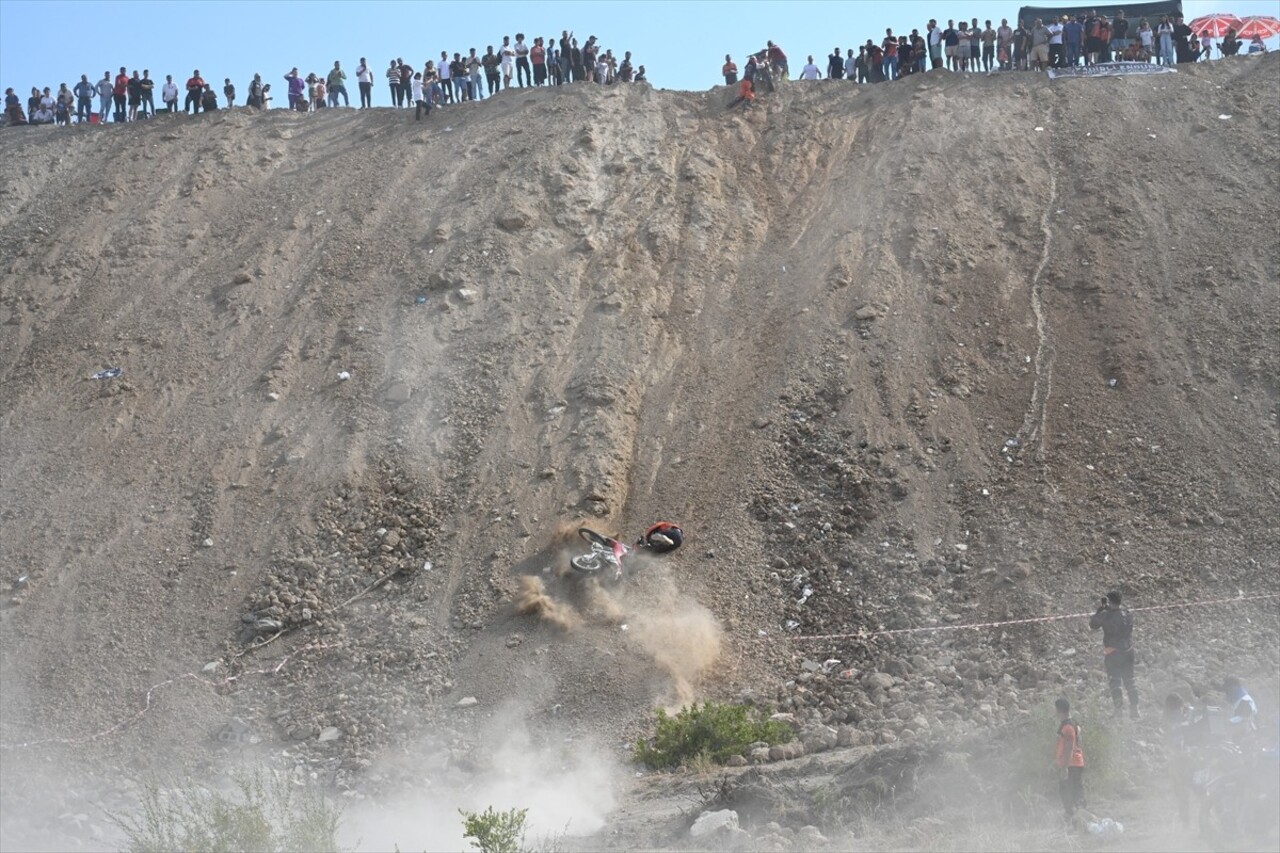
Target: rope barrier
[1057,618]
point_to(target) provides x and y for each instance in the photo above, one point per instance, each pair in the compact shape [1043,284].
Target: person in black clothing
[1182,41]
[1116,623]
[835,66]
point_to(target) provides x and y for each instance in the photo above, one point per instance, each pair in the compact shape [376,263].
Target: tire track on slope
[1032,433]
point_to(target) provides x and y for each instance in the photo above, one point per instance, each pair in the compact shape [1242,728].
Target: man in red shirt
[118,93]
[1069,759]
[729,70]
[195,90]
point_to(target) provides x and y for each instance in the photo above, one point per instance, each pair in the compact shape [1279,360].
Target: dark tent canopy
[1133,11]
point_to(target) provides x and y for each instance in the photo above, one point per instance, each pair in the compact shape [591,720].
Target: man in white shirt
[810,71]
[508,55]
[364,76]
[169,94]
[935,44]
[1055,44]
[850,67]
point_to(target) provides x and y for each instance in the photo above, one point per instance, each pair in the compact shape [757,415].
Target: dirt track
[809,333]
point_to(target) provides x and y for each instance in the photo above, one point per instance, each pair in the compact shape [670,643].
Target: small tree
[495,832]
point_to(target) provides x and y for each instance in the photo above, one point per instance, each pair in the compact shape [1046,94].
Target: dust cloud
[685,641]
[567,786]
[532,600]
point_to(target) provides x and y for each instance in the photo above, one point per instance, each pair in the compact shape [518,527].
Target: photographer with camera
[1116,623]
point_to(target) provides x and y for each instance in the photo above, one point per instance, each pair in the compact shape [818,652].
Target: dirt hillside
[945,351]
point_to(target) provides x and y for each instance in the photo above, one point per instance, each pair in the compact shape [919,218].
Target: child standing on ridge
[1069,760]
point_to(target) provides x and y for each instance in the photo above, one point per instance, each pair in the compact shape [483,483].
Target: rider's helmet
[662,537]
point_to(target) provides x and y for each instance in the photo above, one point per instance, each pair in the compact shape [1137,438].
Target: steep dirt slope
[943,350]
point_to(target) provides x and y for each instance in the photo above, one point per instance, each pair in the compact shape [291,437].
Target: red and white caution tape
[1058,618]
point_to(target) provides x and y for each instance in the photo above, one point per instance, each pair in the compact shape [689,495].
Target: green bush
[713,731]
[495,832]
[259,815]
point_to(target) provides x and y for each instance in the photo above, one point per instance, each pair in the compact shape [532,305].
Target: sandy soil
[944,351]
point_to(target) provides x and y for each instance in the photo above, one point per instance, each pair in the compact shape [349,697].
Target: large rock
[877,681]
[711,822]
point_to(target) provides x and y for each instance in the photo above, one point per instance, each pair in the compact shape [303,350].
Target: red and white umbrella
[1258,25]
[1215,26]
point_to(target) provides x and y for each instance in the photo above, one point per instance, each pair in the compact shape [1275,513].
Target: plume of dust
[532,599]
[684,639]
[566,784]
[601,603]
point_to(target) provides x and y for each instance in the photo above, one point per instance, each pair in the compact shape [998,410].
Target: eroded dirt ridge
[892,356]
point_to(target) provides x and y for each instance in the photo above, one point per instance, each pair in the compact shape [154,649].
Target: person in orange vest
[1068,759]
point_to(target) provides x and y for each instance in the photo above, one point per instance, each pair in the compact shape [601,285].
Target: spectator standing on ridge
[120,94]
[105,89]
[461,82]
[195,91]
[169,94]
[1104,40]
[406,83]
[393,82]
[975,46]
[1055,28]
[1004,44]
[640,76]
[1116,623]
[1146,39]
[835,65]
[935,44]
[134,89]
[475,75]
[988,47]
[850,66]
[1039,46]
[1021,46]
[1164,32]
[364,78]
[626,71]
[963,48]
[493,77]
[507,54]
[337,85]
[778,59]
[729,70]
[810,71]
[566,67]
[254,98]
[538,59]
[84,99]
[209,99]
[1119,33]
[524,78]
[1068,758]
[148,94]
[446,77]
[1092,37]
[890,48]
[229,92]
[297,86]
[66,100]
[419,99]
[1072,41]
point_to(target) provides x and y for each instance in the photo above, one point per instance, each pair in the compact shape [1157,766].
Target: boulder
[711,822]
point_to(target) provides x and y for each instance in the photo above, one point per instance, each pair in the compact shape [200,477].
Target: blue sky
[682,44]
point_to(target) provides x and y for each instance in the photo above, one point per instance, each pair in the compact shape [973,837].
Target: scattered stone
[709,822]
[329,733]
[877,681]
[866,312]
[468,295]
[736,761]
[467,702]
[208,542]
[242,278]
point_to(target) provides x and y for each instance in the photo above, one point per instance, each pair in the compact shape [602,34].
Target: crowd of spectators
[966,47]
[471,77]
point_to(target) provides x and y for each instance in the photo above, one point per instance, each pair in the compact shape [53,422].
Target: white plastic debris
[1039,130]
[273,396]
[1225,117]
[344,376]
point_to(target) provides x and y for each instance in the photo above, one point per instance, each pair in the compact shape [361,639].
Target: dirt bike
[606,553]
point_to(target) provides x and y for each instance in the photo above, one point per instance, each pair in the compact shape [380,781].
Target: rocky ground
[947,352]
